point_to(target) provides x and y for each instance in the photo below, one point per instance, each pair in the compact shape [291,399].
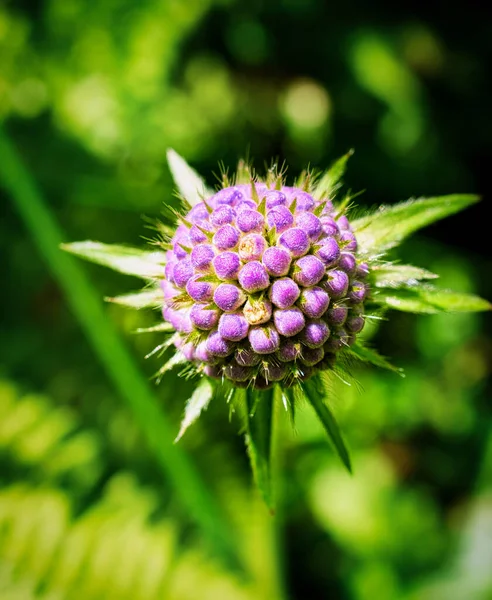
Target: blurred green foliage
[92,95]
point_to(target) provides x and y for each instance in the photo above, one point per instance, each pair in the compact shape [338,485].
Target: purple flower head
[310,224]
[316,333]
[284,292]
[202,256]
[253,277]
[328,251]
[203,317]
[314,302]
[226,237]
[229,196]
[223,215]
[229,297]
[275,198]
[337,284]
[199,290]
[329,226]
[276,261]
[296,241]
[337,315]
[182,272]
[251,247]
[308,271]
[348,241]
[264,339]
[218,346]
[304,201]
[347,263]
[227,265]
[358,292]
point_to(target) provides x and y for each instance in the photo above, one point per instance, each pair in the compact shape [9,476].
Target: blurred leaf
[365,354]
[389,225]
[330,180]
[314,393]
[259,424]
[190,185]
[143,299]
[199,401]
[125,259]
[399,275]
[164,326]
[429,299]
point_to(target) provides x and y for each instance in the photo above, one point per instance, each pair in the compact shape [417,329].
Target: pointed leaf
[365,354]
[259,423]
[329,181]
[164,327]
[190,185]
[315,396]
[389,225]
[125,259]
[430,300]
[198,402]
[143,299]
[395,276]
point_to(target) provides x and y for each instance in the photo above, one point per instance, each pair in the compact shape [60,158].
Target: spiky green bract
[198,402]
[330,180]
[259,425]
[124,259]
[427,299]
[390,225]
[315,393]
[395,276]
[190,185]
[362,352]
[151,298]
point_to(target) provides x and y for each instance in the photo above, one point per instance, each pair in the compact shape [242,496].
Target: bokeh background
[91,96]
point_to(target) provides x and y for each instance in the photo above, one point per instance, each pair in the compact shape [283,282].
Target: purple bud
[201,291]
[337,340]
[202,256]
[203,355]
[280,217]
[310,224]
[358,292]
[337,315]
[222,215]
[284,292]
[264,339]
[251,247]
[213,371]
[362,270]
[227,265]
[204,318]
[180,320]
[257,311]
[329,251]
[168,271]
[198,214]
[238,373]
[246,357]
[329,226]
[228,297]
[182,272]
[218,346]
[289,321]
[277,261]
[347,263]
[250,220]
[315,333]
[308,271]
[253,277]
[179,249]
[313,302]
[295,240]
[275,198]
[289,350]
[337,284]
[354,324]
[229,196]
[188,351]
[304,201]
[343,223]
[273,372]
[226,237]
[245,205]
[197,236]
[312,356]
[233,326]
[348,241]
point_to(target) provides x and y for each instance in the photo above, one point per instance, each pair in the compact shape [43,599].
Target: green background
[95,500]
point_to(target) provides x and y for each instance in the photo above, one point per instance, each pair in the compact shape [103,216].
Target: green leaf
[259,423]
[164,327]
[395,276]
[198,402]
[389,225]
[331,179]
[190,185]
[124,259]
[365,354]
[142,299]
[314,392]
[427,299]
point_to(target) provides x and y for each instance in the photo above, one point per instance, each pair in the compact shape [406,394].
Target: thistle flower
[265,287]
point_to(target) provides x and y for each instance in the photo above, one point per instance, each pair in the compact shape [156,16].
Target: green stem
[119,365]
